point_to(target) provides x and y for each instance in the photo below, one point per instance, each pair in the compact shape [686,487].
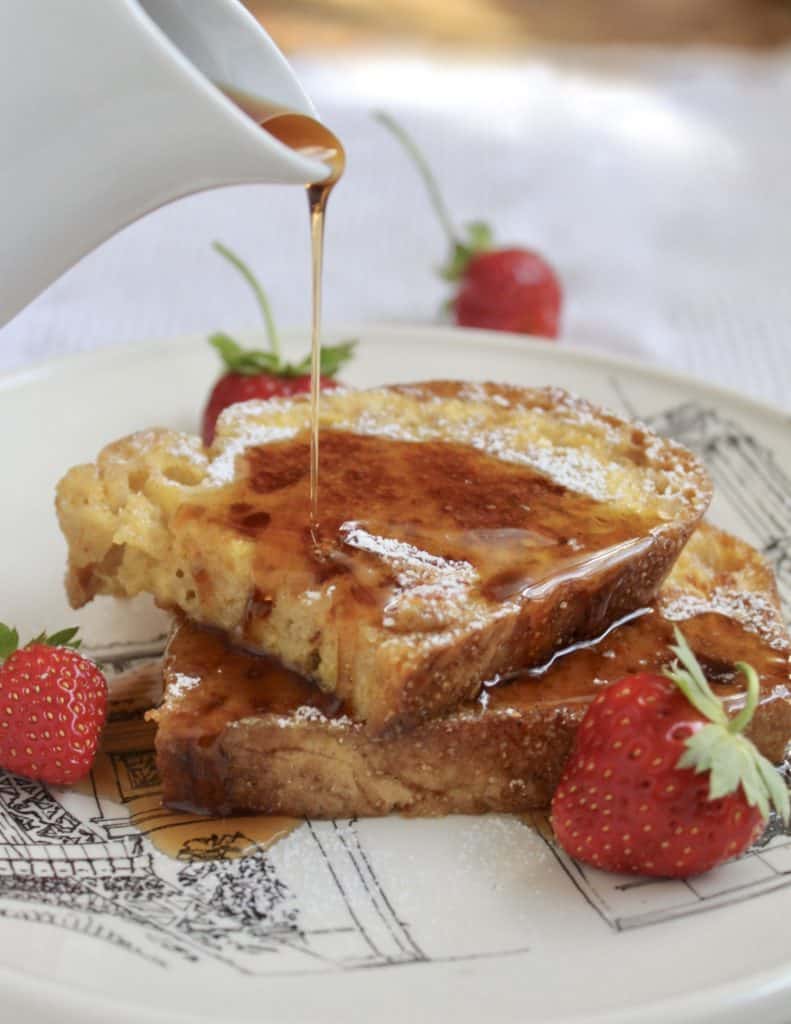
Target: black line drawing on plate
[746,473]
[74,860]
[624,902]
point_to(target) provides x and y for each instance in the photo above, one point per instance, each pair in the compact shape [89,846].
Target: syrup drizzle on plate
[124,774]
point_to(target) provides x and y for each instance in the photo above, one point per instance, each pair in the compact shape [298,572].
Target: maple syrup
[124,778]
[310,138]
[438,512]
[642,643]
[446,501]
[212,684]
[229,683]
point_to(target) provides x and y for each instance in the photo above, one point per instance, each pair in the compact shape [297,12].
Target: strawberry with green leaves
[498,288]
[263,374]
[661,781]
[53,705]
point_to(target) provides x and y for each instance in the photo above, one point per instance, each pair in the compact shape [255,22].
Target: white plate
[470,919]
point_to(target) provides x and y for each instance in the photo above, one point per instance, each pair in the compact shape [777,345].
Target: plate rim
[768,991]
[376,333]
[764,991]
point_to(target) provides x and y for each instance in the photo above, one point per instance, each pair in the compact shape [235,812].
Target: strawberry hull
[640,794]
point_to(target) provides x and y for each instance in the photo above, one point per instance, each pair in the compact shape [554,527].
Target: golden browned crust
[503,752]
[457,765]
[465,765]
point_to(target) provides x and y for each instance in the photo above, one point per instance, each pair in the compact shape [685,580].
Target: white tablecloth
[659,184]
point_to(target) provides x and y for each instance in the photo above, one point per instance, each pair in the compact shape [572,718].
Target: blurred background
[516,25]
[640,146]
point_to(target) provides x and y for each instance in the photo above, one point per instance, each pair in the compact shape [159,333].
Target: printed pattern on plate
[75,861]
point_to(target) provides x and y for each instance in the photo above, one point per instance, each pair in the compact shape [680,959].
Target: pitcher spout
[117,111]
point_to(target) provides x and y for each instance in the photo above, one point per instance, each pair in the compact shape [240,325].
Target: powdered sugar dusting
[566,437]
[754,611]
[307,714]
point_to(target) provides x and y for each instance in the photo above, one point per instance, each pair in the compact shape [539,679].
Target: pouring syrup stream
[310,138]
[317,203]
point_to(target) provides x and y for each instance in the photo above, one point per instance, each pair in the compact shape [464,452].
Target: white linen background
[658,183]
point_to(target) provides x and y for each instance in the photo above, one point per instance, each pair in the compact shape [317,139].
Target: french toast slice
[238,732]
[465,531]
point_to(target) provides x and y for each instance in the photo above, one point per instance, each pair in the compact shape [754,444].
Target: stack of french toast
[484,559]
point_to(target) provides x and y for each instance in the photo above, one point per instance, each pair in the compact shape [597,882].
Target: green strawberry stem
[260,295]
[479,234]
[740,722]
[432,187]
[720,747]
[250,362]
[9,640]
[693,683]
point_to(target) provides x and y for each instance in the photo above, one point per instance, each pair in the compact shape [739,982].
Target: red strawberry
[53,704]
[501,289]
[253,373]
[661,781]
[235,387]
[509,290]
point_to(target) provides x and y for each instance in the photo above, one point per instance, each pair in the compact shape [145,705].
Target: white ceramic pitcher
[107,111]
